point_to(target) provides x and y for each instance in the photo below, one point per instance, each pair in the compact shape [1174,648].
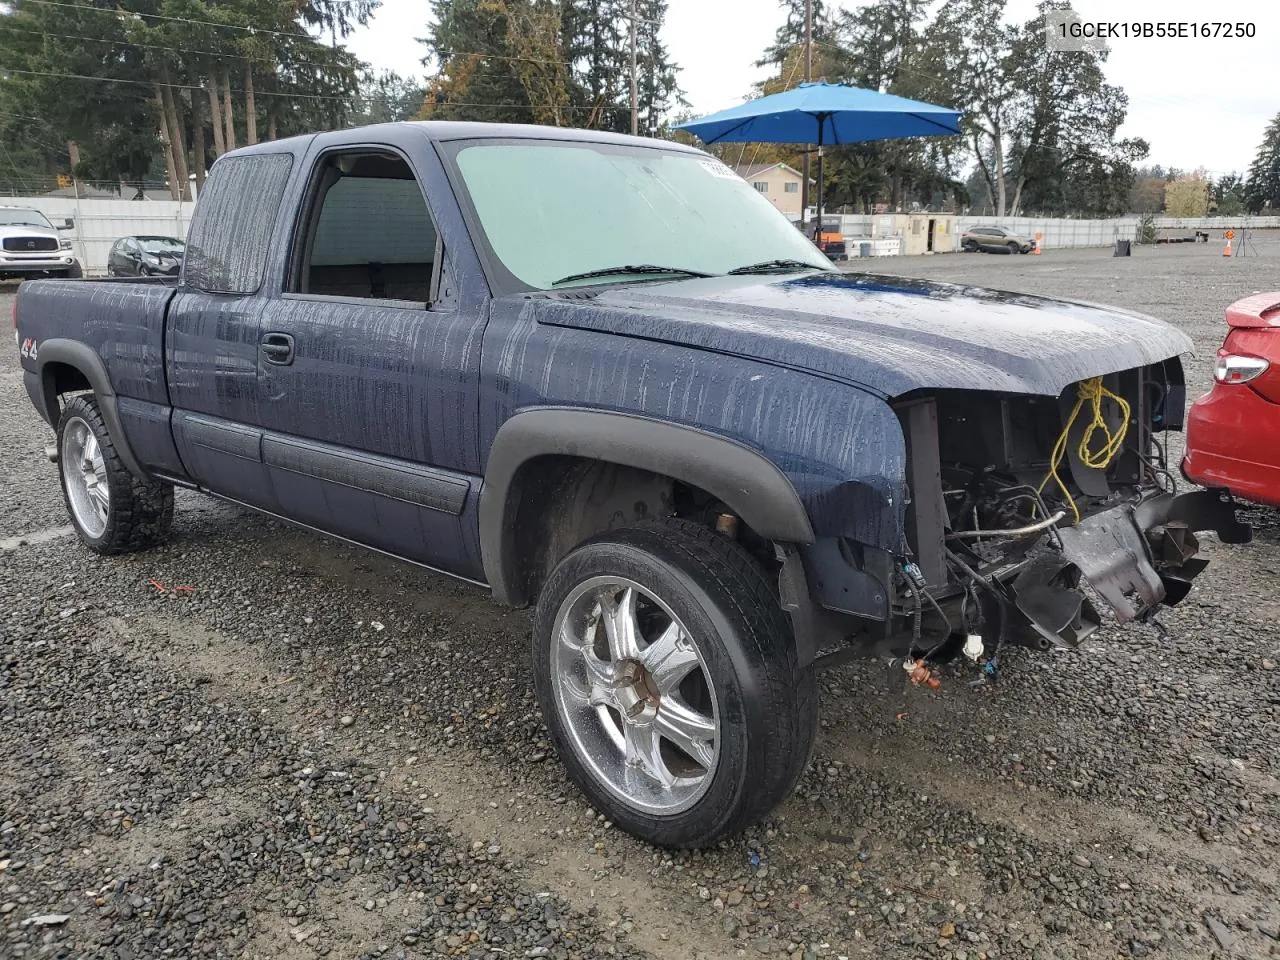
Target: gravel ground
[319,752]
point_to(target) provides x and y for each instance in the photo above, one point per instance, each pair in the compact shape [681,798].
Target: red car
[1233,431]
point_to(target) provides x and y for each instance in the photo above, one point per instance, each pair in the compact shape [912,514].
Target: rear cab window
[230,239]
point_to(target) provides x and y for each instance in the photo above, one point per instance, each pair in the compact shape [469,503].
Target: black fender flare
[81,357]
[748,482]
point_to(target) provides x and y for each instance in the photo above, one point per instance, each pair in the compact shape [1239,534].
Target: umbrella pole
[818,229]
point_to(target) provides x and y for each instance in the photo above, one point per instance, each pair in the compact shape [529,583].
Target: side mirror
[67,224]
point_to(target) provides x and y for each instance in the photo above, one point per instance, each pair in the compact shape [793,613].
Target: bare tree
[230,133]
[166,144]
[250,107]
[215,113]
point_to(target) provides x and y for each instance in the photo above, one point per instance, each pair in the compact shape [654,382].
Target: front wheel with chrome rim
[667,676]
[112,510]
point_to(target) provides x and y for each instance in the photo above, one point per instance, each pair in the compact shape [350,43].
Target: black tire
[139,513]
[968,246]
[768,707]
[1015,248]
[76,272]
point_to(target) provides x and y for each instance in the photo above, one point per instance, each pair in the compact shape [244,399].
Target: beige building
[920,232]
[779,183]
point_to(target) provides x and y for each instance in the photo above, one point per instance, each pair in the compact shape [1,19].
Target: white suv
[30,245]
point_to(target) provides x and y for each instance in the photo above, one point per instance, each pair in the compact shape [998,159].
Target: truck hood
[22,230]
[888,334]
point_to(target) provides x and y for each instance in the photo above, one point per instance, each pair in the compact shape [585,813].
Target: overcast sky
[1197,102]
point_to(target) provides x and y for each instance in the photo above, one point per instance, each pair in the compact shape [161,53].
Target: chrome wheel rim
[85,474]
[635,695]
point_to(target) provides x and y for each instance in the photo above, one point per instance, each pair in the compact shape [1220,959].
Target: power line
[498,56]
[283,94]
[256,31]
[191,86]
[30,134]
[12,163]
[756,152]
[21,116]
[240,56]
[154,46]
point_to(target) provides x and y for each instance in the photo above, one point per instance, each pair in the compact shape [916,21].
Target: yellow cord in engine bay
[1089,391]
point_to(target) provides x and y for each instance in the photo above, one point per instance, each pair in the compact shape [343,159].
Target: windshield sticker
[718,169]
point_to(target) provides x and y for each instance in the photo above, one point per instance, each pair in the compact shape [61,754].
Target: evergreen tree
[1228,195]
[173,82]
[44,72]
[882,48]
[549,61]
[792,31]
[385,97]
[475,79]
[658,91]
[1263,188]
[597,47]
[881,44]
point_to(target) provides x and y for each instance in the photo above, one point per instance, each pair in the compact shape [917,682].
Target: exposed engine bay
[1017,501]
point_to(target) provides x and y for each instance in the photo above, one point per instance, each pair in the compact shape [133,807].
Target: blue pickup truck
[602,375]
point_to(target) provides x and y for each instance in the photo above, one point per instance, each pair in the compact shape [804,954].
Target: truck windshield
[24,218]
[553,209]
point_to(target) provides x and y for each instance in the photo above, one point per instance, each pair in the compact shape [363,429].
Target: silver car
[994,240]
[30,246]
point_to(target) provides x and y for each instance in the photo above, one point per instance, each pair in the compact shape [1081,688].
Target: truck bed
[122,321]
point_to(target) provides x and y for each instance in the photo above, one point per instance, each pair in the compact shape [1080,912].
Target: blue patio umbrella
[825,114]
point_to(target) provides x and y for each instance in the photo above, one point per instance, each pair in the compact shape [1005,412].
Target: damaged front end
[1016,500]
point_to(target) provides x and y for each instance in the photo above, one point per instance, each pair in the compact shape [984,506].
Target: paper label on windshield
[718,169]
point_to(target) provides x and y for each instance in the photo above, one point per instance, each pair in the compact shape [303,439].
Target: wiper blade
[636,268]
[774,266]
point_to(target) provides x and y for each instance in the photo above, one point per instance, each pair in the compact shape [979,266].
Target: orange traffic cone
[1038,244]
[1226,251]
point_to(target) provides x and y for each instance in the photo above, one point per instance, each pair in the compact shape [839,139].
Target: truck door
[370,367]
[211,344]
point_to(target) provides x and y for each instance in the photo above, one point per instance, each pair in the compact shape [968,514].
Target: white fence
[1060,232]
[100,223]
[1217,223]
[1056,232]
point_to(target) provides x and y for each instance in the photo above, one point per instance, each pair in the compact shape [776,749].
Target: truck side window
[367,232]
[230,238]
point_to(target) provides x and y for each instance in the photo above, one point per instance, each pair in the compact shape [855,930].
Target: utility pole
[635,111]
[808,40]
[635,96]
[808,75]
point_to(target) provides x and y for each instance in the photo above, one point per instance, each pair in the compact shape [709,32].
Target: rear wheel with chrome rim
[667,676]
[112,510]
